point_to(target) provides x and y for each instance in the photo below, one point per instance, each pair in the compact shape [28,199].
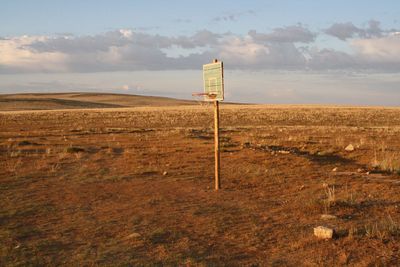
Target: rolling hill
[40,101]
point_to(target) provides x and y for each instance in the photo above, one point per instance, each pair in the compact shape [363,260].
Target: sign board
[213,77]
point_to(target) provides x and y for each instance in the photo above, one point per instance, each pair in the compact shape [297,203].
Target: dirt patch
[135,187]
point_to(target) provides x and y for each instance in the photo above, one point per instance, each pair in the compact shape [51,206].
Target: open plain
[120,186]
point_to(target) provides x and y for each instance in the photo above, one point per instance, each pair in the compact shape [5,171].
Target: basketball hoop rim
[203,94]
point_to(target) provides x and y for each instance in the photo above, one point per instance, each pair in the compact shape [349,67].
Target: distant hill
[13,102]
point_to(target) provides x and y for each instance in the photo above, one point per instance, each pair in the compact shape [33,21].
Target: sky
[274,52]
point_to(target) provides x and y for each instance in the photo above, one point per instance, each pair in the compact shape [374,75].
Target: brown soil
[14,102]
[135,186]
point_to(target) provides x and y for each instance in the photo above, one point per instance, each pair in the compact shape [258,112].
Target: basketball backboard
[213,77]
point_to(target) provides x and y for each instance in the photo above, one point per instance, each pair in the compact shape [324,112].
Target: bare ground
[135,186]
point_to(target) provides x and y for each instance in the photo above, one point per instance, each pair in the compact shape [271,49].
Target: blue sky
[95,16]
[284,51]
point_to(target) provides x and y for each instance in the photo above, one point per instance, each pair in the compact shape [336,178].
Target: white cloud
[242,50]
[126,33]
[15,57]
[127,50]
[384,49]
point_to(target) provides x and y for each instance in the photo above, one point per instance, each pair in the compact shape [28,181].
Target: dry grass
[387,161]
[382,229]
[330,197]
[86,187]
[81,101]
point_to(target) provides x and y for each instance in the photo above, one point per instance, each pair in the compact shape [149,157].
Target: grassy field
[15,102]
[135,186]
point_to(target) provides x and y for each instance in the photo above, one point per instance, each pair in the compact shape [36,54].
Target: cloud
[15,58]
[121,38]
[378,53]
[326,59]
[234,16]
[131,88]
[373,30]
[348,30]
[383,52]
[291,47]
[343,31]
[290,34]
[199,39]
[128,50]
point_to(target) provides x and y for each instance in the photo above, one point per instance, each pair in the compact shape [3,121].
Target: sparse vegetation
[74,185]
[330,199]
[388,162]
[382,229]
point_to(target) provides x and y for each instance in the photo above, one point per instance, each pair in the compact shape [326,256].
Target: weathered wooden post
[213,77]
[216,145]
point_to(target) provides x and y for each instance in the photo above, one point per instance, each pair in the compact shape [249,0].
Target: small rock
[323,232]
[165,173]
[349,148]
[335,169]
[133,235]
[328,217]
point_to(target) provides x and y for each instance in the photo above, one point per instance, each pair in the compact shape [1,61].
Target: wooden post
[216,141]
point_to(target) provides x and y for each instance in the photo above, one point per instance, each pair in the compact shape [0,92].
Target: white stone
[349,148]
[323,232]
